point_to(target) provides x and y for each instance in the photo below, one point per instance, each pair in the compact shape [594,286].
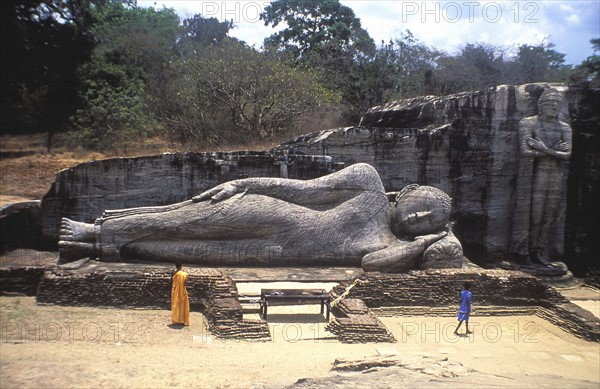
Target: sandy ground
[62,347]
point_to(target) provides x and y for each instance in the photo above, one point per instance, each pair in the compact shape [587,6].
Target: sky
[445,25]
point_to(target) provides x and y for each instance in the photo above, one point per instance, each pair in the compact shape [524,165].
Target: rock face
[343,218]
[465,144]
[84,191]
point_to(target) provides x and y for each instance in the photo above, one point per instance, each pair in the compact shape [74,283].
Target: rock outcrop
[467,145]
[464,144]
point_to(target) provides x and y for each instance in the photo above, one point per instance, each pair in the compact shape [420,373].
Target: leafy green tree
[417,62]
[199,31]
[316,25]
[538,63]
[487,59]
[43,43]
[476,66]
[398,69]
[123,82]
[453,75]
[327,37]
[235,93]
[588,72]
[114,110]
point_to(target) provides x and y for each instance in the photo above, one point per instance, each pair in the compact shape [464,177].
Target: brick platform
[426,292]
[149,287]
[355,323]
[436,293]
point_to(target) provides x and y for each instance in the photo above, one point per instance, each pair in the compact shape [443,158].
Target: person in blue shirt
[465,307]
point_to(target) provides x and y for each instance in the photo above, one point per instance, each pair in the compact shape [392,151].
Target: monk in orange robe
[180,303]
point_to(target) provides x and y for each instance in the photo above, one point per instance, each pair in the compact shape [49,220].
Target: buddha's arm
[401,257]
[525,135]
[335,187]
[532,146]
[561,150]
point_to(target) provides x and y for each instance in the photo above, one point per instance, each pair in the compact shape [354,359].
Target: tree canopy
[109,73]
[315,25]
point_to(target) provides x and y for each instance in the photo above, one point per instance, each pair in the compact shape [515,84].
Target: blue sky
[445,25]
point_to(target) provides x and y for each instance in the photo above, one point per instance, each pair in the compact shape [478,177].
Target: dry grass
[27,168]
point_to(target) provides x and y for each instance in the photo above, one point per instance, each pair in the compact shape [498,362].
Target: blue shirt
[465,301]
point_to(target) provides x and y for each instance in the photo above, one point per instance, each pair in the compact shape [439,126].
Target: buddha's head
[550,103]
[421,210]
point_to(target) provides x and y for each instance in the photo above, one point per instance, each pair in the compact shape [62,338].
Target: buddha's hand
[427,240]
[562,146]
[537,144]
[219,192]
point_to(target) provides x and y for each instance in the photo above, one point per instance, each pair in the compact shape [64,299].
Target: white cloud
[446,25]
[573,20]
[565,7]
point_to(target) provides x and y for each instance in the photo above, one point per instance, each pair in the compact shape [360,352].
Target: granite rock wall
[465,144]
[84,191]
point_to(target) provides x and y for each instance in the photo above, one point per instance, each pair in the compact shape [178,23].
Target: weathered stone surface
[545,144]
[443,256]
[344,218]
[425,371]
[489,287]
[20,226]
[354,323]
[84,191]
[467,145]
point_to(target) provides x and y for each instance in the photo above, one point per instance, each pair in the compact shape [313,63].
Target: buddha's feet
[536,257]
[72,251]
[73,231]
[76,240]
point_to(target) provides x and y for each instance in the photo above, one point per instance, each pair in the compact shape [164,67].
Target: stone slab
[239,274]
[291,274]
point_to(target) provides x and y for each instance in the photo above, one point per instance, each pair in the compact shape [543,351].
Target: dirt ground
[28,169]
[73,347]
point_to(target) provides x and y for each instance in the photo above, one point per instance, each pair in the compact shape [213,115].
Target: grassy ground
[27,168]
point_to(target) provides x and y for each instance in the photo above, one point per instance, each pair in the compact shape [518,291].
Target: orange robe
[180,303]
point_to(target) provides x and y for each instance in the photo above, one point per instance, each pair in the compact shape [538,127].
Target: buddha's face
[550,107]
[422,211]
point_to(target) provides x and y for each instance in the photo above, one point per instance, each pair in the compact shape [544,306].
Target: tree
[314,25]
[417,62]
[453,75]
[114,109]
[475,66]
[327,37]
[233,92]
[43,43]
[398,69]
[487,59]
[538,63]
[199,31]
[588,72]
[122,84]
